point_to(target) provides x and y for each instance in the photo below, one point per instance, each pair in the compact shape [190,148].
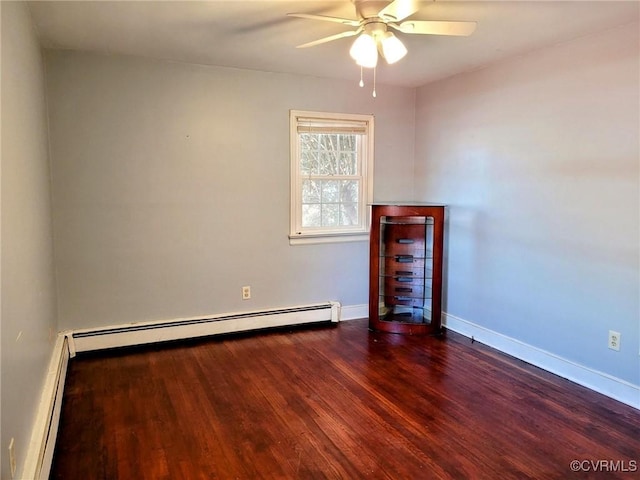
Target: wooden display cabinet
[405,272]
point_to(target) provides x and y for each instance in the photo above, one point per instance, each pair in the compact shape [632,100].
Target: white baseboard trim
[600,382]
[37,464]
[354,312]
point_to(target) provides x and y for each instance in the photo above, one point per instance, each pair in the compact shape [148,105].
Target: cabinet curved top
[408,204]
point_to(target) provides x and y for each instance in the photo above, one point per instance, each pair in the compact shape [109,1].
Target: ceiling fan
[375,21]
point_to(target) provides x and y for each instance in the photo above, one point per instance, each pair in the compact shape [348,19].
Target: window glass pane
[308,162]
[311,215]
[330,215]
[329,141]
[325,166]
[348,143]
[348,163]
[330,191]
[349,191]
[310,191]
[309,141]
[349,214]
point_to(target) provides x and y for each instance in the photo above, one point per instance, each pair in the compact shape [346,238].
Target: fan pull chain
[374,81]
[361,81]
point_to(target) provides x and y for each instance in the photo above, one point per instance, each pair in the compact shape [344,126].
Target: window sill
[328,238]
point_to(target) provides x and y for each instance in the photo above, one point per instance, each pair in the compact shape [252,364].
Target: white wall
[28,289]
[171,188]
[538,159]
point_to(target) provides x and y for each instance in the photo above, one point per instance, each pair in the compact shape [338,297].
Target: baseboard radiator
[37,464]
[153,332]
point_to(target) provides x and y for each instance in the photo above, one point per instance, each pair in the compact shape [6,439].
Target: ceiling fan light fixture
[392,48]
[364,51]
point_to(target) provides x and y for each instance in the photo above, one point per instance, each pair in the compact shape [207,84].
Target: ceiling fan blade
[344,21]
[432,27]
[399,9]
[350,33]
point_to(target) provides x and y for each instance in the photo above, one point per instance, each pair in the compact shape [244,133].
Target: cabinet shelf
[400,220]
[405,284]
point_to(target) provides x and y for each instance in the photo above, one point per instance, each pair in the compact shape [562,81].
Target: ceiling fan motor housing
[375,27]
[370,8]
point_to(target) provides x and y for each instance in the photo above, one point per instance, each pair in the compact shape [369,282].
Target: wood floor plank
[333,402]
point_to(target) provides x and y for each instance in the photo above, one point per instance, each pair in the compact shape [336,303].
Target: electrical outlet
[12,457]
[246,293]
[614,340]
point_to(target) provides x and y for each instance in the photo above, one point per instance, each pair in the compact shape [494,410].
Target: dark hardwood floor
[338,403]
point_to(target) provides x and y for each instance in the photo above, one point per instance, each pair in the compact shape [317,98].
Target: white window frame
[305,235]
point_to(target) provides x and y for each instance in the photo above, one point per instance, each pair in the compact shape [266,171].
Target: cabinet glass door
[405,279]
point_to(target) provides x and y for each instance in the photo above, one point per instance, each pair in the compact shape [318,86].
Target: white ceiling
[258,35]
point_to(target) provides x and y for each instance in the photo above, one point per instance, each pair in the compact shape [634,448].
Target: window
[331,176]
